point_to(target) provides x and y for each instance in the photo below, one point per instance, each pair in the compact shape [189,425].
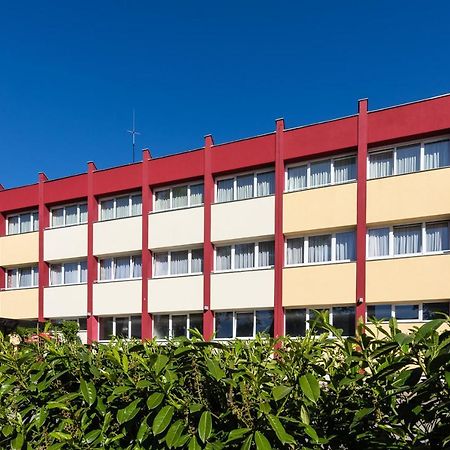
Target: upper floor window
[119,207]
[22,277]
[23,223]
[68,273]
[408,311]
[168,326]
[179,262]
[182,196]
[240,187]
[121,268]
[243,324]
[409,158]
[245,256]
[64,216]
[321,173]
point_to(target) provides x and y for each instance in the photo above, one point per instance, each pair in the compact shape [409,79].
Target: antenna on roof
[133,133]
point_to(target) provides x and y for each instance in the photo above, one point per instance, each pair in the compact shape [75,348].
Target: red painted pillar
[42,265]
[361,214]
[92,322]
[279,237]
[2,233]
[208,253]
[146,325]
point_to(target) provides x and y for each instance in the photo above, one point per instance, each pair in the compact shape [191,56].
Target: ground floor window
[243,324]
[126,327]
[81,321]
[408,311]
[167,326]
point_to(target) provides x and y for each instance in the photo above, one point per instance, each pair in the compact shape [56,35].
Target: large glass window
[125,327]
[245,256]
[64,216]
[22,277]
[68,273]
[437,154]
[406,312]
[119,207]
[437,237]
[379,312]
[378,242]
[408,159]
[122,267]
[407,239]
[409,312]
[180,262]
[182,196]
[167,326]
[431,311]
[243,324]
[23,223]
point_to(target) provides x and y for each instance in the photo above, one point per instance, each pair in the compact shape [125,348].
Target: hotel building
[349,215]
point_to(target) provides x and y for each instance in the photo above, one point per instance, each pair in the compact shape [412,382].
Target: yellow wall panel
[19,303]
[19,249]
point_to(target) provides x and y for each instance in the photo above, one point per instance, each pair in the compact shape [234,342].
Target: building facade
[349,215]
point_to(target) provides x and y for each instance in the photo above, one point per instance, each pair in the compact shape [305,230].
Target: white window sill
[407,255]
[118,218]
[158,211]
[325,263]
[181,275]
[20,288]
[17,234]
[309,188]
[58,227]
[251,269]
[83,283]
[242,199]
[117,281]
[409,173]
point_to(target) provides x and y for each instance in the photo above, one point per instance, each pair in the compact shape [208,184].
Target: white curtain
[345,246]
[83,268]
[71,215]
[320,173]
[295,249]
[179,262]
[35,217]
[161,326]
[296,178]
[225,190]
[379,242]
[107,209]
[106,269]
[161,264]
[223,258]
[437,237]
[58,217]
[437,154]
[25,277]
[407,239]
[179,197]
[265,183]
[196,194]
[137,266]
[70,273]
[83,213]
[25,223]
[381,164]
[12,279]
[244,256]
[244,187]
[122,268]
[344,169]
[122,207]
[162,200]
[319,249]
[408,159]
[266,254]
[35,276]
[136,205]
[13,225]
[197,261]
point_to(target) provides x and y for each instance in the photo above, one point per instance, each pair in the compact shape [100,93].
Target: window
[119,207]
[68,273]
[408,312]
[245,256]
[168,326]
[321,249]
[180,262]
[121,268]
[241,187]
[401,240]
[126,327]
[23,223]
[321,173]
[243,324]
[409,158]
[432,311]
[81,321]
[22,277]
[379,312]
[64,216]
[183,196]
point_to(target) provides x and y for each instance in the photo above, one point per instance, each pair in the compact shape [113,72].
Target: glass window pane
[196,322]
[105,328]
[179,262]
[296,178]
[431,311]
[71,215]
[58,217]
[122,268]
[70,273]
[35,276]
[12,279]
[437,154]
[345,246]
[122,207]
[264,322]
[344,318]
[319,249]
[83,213]
[137,266]
[83,268]
[406,312]
[136,327]
[55,274]
[25,277]
[179,325]
[161,326]
[162,200]
[320,173]
[223,258]
[381,164]
[266,254]
[408,159]
[122,327]
[107,210]
[265,184]
[437,237]
[379,312]
[225,190]
[244,256]
[13,225]
[179,197]
[35,217]
[106,269]
[315,320]
[244,187]
[378,242]
[25,223]
[196,194]
[407,239]
[197,261]
[82,323]
[295,248]
[295,322]
[136,205]
[161,264]
[224,325]
[244,324]
[344,169]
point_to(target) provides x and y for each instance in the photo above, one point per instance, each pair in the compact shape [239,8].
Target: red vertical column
[2,233]
[92,322]
[146,325]
[42,265]
[361,213]
[279,238]
[208,253]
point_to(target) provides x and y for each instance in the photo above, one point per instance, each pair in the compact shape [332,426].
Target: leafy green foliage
[383,390]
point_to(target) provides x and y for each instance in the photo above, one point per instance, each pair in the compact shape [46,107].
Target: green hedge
[385,390]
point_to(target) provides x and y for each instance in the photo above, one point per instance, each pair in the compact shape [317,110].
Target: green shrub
[370,392]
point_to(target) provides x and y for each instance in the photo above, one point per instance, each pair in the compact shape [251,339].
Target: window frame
[412,303]
[188,323]
[32,214]
[34,271]
[78,205]
[113,258]
[170,189]
[63,264]
[114,318]
[169,258]
[114,199]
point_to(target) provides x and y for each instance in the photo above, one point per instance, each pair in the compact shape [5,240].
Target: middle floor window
[178,262]
[243,324]
[68,273]
[120,268]
[22,277]
[245,256]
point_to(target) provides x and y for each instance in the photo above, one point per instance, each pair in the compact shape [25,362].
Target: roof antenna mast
[133,133]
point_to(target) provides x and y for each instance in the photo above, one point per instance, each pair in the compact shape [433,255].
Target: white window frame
[115,198]
[130,317]
[308,163]
[233,253]
[32,219]
[413,303]
[170,189]
[79,222]
[394,148]
[113,269]
[188,323]
[235,176]
[63,271]
[169,259]
[423,251]
[34,271]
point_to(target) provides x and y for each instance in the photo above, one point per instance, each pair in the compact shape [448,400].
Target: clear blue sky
[72,71]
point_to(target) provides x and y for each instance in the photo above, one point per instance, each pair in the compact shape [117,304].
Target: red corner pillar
[208,254]
[279,238]
[2,233]
[147,200]
[361,213]
[92,322]
[42,265]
